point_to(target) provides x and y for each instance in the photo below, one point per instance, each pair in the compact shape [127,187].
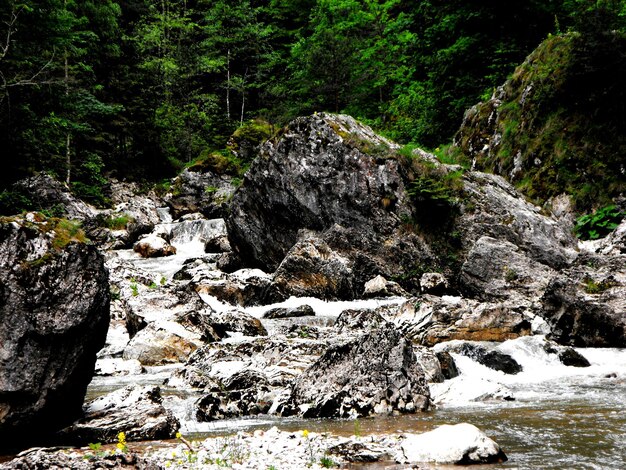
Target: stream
[561,417]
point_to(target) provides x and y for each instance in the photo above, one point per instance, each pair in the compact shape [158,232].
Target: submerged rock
[279,312]
[373,373]
[54,316]
[459,444]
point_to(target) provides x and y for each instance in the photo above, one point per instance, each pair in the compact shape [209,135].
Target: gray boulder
[374,373]
[54,316]
[200,191]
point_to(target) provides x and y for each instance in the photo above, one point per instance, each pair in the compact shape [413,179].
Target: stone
[493,359]
[571,357]
[281,312]
[459,444]
[381,287]
[53,458]
[433,283]
[376,372]
[200,191]
[162,342]
[312,269]
[54,316]
[236,321]
[447,364]
[137,411]
[353,319]
[153,246]
[244,287]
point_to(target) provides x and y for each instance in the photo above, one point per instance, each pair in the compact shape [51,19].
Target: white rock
[456,444]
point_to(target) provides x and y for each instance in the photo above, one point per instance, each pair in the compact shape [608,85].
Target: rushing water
[561,418]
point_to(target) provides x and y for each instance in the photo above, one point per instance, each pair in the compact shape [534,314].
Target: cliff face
[558,125]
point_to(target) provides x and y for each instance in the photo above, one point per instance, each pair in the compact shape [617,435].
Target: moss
[117,223]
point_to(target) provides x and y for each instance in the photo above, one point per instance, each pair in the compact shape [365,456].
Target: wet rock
[460,444]
[54,316]
[447,364]
[236,321]
[116,367]
[585,304]
[153,246]
[381,287]
[374,373]
[200,191]
[493,359]
[244,287]
[430,320]
[162,342]
[217,245]
[136,411]
[281,312]
[429,361]
[433,283]
[571,357]
[463,390]
[312,269]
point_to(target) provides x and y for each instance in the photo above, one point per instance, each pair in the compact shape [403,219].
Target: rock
[429,361]
[585,304]
[300,311]
[312,269]
[54,316]
[243,287]
[464,390]
[116,367]
[53,458]
[324,174]
[352,319]
[236,321]
[571,357]
[460,444]
[374,373]
[44,193]
[493,359]
[200,191]
[136,411]
[615,243]
[430,320]
[360,452]
[381,287]
[433,283]
[162,342]
[447,364]
[217,245]
[153,246]
[498,270]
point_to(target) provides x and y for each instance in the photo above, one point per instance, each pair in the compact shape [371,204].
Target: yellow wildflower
[305,433]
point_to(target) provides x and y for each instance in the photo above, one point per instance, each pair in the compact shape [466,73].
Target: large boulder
[326,171]
[376,372]
[54,316]
[585,304]
[195,190]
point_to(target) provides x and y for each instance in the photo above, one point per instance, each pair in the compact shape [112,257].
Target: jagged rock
[493,359]
[153,246]
[136,411]
[352,319]
[117,366]
[430,320]
[279,312]
[360,451]
[459,444]
[323,173]
[433,283]
[217,245]
[571,357]
[46,193]
[196,191]
[54,316]
[381,287]
[312,269]
[374,373]
[429,361]
[585,304]
[615,243]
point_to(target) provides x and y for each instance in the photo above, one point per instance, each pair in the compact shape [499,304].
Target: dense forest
[138,89]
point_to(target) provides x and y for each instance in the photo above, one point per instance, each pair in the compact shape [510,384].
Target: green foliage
[65,232]
[593,287]
[599,223]
[117,223]
[327,462]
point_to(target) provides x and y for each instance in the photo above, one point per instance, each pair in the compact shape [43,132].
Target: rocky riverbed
[335,317]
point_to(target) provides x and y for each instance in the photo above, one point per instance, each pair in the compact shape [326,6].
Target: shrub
[599,223]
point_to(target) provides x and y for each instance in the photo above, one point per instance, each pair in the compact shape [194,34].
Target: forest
[138,89]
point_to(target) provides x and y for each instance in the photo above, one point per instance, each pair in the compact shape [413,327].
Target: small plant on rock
[598,224]
[327,462]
